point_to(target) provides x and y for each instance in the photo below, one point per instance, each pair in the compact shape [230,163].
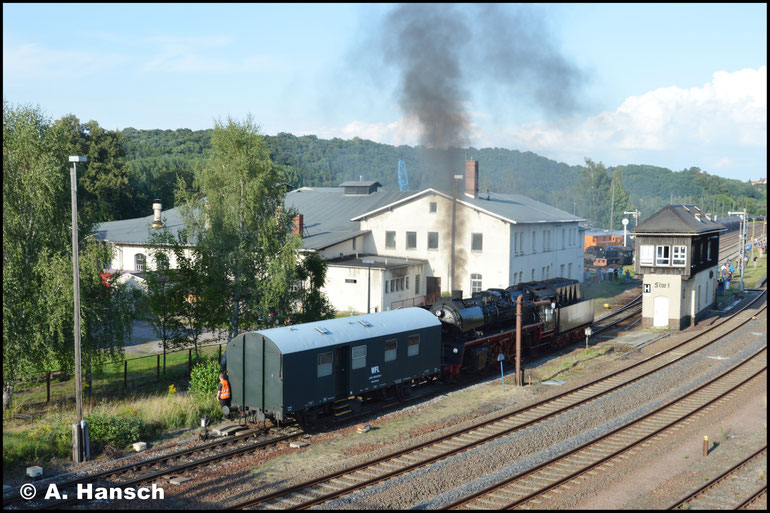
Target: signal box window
[414,345]
[646,255]
[390,240]
[662,255]
[679,256]
[391,347]
[359,357]
[324,364]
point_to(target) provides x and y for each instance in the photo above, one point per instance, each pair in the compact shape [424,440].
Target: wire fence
[140,375]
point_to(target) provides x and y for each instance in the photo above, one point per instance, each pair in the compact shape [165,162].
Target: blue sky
[668,85]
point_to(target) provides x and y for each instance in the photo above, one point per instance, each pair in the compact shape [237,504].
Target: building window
[432,207]
[533,275]
[354,243]
[139,262]
[432,240]
[475,283]
[477,241]
[414,345]
[411,240]
[407,283]
[350,280]
[662,255]
[561,271]
[679,256]
[391,350]
[646,254]
[569,271]
[386,286]
[417,284]
[324,364]
[534,250]
[359,357]
[390,240]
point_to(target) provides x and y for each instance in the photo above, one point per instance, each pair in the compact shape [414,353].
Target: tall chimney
[156,207]
[299,225]
[472,178]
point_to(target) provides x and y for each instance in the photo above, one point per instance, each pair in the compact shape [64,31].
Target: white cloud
[35,61]
[730,111]
[204,54]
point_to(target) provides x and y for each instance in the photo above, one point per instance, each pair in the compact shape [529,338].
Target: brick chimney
[472,178]
[299,225]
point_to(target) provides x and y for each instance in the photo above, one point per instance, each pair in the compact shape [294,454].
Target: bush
[37,445]
[204,379]
[117,430]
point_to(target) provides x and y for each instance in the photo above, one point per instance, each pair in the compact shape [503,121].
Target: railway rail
[720,492]
[343,482]
[145,471]
[554,476]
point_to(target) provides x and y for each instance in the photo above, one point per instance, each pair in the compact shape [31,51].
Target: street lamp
[742,215]
[79,434]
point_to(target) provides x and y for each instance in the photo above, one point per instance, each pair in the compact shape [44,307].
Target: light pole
[79,435]
[742,215]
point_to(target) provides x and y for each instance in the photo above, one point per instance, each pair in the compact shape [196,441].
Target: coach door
[342,372]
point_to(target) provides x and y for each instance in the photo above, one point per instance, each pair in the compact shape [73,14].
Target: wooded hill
[157,157]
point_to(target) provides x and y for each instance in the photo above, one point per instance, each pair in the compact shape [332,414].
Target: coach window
[359,357]
[414,345]
[324,364]
[477,242]
[411,240]
[662,255]
[679,256]
[646,254]
[432,240]
[390,240]
[391,349]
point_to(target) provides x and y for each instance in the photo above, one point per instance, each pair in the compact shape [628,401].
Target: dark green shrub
[116,430]
[204,378]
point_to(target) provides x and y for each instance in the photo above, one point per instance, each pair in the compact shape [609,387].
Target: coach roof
[332,332]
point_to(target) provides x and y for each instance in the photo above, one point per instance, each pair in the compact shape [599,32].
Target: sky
[669,85]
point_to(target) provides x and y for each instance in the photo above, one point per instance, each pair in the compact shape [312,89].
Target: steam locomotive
[326,367]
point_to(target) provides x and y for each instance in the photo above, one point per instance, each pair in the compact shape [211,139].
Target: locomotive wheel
[403,391]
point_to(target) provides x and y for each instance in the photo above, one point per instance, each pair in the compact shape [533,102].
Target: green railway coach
[302,370]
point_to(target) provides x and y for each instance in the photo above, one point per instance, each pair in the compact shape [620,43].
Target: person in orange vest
[223,391]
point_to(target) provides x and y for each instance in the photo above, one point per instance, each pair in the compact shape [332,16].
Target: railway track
[733,489]
[146,471]
[553,477]
[340,483]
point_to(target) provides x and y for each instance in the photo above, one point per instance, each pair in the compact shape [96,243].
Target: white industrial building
[388,249]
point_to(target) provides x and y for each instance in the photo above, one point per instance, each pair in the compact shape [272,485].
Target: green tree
[622,202]
[164,296]
[237,219]
[103,179]
[38,293]
[314,305]
[594,192]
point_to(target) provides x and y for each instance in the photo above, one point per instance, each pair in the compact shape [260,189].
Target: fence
[143,374]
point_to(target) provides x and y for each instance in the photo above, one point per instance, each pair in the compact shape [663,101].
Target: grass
[143,377]
[118,423]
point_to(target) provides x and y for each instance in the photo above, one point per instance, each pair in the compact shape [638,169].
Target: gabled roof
[678,219]
[138,230]
[511,208]
[327,212]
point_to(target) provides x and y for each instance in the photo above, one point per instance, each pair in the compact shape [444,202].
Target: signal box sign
[646,288]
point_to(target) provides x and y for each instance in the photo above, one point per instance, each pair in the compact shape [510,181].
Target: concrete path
[145,341]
